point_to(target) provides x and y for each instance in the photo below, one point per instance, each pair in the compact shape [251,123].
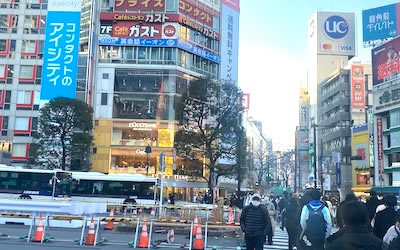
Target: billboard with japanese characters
[380,23]
[335,33]
[385,62]
[140,5]
[230,40]
[145,30]
[360,148]
[60,60]
[357,86]
[198,11]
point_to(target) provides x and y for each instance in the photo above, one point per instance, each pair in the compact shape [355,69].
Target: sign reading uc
[336,27]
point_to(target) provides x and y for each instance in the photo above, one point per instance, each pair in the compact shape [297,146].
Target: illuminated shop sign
[138,42]
[142,5]
[142,126]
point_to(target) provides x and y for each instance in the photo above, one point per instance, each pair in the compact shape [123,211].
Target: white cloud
[273,79]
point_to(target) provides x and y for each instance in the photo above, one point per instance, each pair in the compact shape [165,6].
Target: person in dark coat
[395,244]
[355,234]
[255,223]
[372,203]
[292,218]
[387,217]
[349,197]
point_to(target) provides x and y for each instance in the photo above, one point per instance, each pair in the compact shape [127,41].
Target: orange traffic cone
[39,231]
[90,234]
[144,236]
[195,224]
[231,220]
[198,241]
[110,223]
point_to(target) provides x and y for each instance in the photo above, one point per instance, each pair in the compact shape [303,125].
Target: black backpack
[316,224]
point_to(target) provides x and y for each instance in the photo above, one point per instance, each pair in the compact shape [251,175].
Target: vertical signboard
[360,148]
[380,23]
[230,40]
[357,86]
[336,157]
[379,135]
[60,62]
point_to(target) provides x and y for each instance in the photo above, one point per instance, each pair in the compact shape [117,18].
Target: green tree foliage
[209,115]
[64,137]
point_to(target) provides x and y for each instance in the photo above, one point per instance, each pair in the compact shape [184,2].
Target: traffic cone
[144,236]
[195,224]
[39,231]
[231,220]
[91,234]
[198,241]
[110,223]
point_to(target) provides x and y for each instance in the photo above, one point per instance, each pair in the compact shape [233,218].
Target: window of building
[4,126]
[171,5]
[104,97]
[395,118]
[3,71]
[26,71]
[29,46]
[7,99]
[31,24]
[215,23]
[22,123]
[19,150]
[34,123]
[24,97]
[395,139]
[105,75]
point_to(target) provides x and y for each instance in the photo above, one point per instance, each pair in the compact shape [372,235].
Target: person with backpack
[355,234]
[393,232]
[385,218]
[255,223]
[316,223]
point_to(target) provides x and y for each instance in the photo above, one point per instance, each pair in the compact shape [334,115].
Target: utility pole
[315,154]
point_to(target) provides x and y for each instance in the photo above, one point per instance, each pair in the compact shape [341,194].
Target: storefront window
[395,118]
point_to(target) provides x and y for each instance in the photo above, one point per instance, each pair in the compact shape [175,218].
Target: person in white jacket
[393,232]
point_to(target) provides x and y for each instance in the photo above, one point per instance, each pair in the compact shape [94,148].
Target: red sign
[136,29]
[234,4]
[358,86]
[142,5]
[380,144]
[386,62]
[148,18]
[169,30]
[197,11]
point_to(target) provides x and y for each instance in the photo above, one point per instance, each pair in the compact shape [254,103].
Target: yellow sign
[166,138]
[360,149]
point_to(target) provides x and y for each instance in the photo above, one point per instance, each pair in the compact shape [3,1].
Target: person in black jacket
[349,197]
[355,234]
[292,218]
[395,244]
[255,223]
[387,217]
[372,203]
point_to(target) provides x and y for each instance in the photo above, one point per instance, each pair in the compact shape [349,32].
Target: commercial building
[22,51]
[148,54]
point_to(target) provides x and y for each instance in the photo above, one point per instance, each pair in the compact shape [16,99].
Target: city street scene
[200,124]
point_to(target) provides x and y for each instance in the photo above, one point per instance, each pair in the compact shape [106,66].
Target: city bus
[23,183]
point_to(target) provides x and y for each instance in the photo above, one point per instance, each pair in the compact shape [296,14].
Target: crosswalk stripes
[280,240]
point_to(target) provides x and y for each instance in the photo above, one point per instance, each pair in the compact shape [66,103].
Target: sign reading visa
[380,23]
[386,62]
[60,62]
[357,86]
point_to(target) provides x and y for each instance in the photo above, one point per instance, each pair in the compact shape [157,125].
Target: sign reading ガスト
[60,60]
[386,62]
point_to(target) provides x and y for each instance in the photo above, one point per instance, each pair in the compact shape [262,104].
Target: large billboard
[380,23]
[230,40]
[360,148]
[385,62]
[335,33]
[200,12]
[357,86]
[60,60]
[140,5]
[304,112]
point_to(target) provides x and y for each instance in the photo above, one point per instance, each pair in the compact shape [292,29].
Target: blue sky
[272,57]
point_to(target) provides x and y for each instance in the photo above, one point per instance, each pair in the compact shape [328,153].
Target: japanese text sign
[199,12]
[380,23]
[140,30]
[119,41]
[379,132]
[142,5]
[385,62]
[358,86]
[60,61]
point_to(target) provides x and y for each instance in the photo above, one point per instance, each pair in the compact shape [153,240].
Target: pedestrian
[355,234]
[393,232]
[387,217]
[372,203]
[272,213]
[292,218]
[349,197]
[282,206]
[316,224]
[255,223]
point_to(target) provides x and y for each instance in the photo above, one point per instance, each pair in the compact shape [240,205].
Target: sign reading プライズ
[60,61]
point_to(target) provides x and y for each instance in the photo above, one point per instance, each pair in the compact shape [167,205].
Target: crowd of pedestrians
[310,221]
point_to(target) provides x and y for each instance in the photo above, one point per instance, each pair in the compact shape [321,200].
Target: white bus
[80,186]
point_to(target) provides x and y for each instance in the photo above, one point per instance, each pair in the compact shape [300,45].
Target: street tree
[64,135]
[286,166]
[208,119]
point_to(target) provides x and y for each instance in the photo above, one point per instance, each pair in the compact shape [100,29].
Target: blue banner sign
[148,42]
[199,51]
[380,23]
[61,49]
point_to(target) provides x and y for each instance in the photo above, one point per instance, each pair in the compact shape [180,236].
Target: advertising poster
[385,62]
[380,23]
[360,148]
[230,40]
[336,33]
[166,138]
[357,86]
[60,59]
